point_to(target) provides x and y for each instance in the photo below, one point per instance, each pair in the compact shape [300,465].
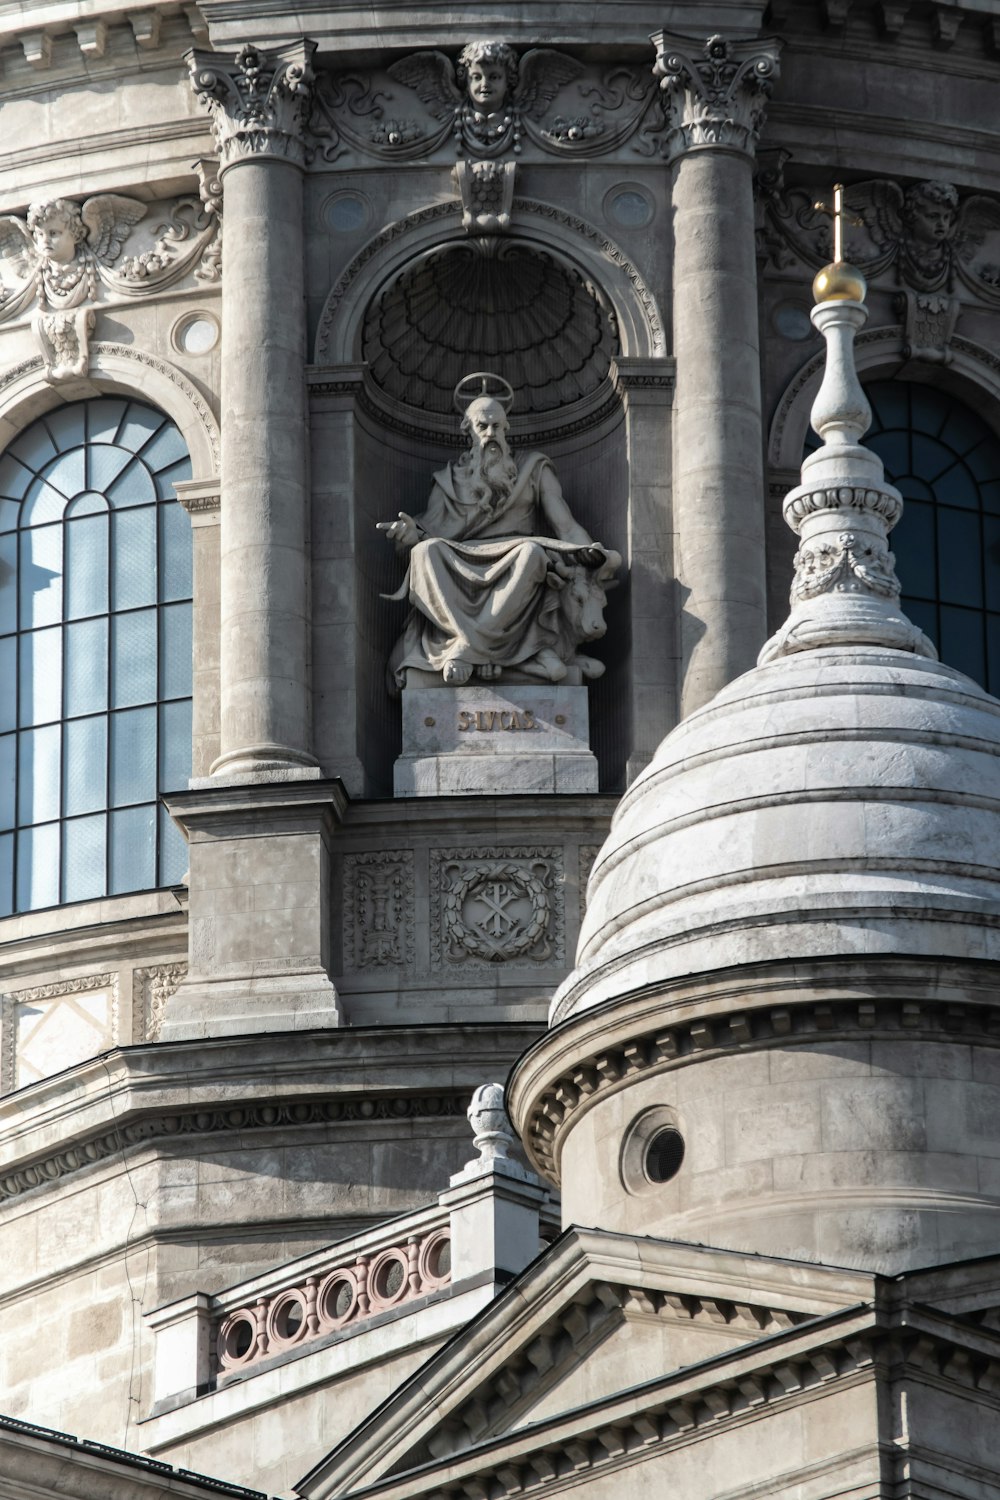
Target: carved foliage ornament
[715,96]
[260,104]
[488,102]
[500,906]
[62,255]
[850,564]
[378,910]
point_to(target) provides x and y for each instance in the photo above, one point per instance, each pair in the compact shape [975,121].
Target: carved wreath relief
[62,254]
[498,906]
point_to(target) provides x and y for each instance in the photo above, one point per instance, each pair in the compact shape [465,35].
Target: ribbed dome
[842,801]
[496,306]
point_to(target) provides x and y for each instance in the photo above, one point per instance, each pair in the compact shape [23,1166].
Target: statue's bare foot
[489,671]
[456,671]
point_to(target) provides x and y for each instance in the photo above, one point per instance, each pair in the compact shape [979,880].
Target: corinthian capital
[259,103]
[715,95]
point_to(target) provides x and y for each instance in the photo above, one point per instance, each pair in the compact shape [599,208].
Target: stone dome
[835,802]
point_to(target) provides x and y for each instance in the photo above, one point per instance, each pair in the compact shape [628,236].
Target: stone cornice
[601,1051]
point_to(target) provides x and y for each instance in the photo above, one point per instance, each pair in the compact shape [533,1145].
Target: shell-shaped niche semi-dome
[836,802]
[489,304]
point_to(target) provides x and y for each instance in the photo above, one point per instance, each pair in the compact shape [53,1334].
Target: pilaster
[714,98]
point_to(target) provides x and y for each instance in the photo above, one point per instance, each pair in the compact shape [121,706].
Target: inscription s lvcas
[486,719]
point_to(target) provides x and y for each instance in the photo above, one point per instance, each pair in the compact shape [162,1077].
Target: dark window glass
[945,461]
[95,663]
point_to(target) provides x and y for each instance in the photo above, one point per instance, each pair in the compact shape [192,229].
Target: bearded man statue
[492,565]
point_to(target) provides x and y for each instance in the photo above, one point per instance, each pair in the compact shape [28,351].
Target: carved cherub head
[930,212]
[57,229]
[488,71]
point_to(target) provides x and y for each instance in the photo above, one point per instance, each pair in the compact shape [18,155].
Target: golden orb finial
[839,281]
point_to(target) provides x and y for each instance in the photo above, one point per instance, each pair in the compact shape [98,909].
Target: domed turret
[783,1030]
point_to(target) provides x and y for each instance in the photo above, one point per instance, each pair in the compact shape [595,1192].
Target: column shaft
[718,464]
[265,709]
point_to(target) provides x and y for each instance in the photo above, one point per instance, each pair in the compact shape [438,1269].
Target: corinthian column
[259,105]
[714,98]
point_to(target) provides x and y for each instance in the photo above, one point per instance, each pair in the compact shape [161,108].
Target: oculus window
[95,654]
[945,461]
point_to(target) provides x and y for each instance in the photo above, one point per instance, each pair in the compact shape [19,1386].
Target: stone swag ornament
[502,581]
[845,590]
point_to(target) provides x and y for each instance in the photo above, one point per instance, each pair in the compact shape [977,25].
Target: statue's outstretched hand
[403,532]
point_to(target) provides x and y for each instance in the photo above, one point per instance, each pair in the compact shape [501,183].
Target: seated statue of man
[502,579]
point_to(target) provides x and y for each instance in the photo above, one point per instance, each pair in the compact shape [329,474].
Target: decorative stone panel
[52,1026]
[497,906]
[152,989]
[378,910]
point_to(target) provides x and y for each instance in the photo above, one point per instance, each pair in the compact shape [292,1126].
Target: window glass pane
[957,487]
[927,413]
[924,616]
[87,503]
[8,583]
[913,545]
[173,851]
[930,458]
[41,577]
[41,677]
[991,561]
[85,645]
[166,479]
[7,769]
[34,447]
[133,486]
[890,403]
[166,448]
[175,651]
[38,867]
[85,765]
[959,565]
[133,553]
[993,654]
[893,448]
[175,553]
[175,746]
[133,658]
[138,427]
[6,874]
[962,644]
[984,461]
[84,857]
[10,510]
[133,849]
[104,466]
[991,496]
[104,418]
[133,756]
[86,567]
[42,504]
[68,474]
[963,429]
[66,425]
[38,774]
[14,477]
[8,682]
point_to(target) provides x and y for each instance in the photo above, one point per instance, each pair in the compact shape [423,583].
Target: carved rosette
[715,96]
[261,103]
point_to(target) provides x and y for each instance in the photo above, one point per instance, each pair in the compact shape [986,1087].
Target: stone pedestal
[502,739]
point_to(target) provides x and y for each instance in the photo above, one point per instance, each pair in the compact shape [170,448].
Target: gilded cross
[838,213]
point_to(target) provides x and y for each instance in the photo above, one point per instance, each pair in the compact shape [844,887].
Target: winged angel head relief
[491,98]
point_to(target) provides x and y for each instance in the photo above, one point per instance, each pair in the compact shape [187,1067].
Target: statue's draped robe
[478,578]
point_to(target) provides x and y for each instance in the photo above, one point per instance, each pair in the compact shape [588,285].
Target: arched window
[95,653]
[945,461]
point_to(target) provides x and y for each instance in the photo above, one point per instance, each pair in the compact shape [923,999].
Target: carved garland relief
[496,906]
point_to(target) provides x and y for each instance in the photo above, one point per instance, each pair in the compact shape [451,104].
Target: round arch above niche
[497,303]
[583,253]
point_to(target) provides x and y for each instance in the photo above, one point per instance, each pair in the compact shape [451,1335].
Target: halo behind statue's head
[466,391]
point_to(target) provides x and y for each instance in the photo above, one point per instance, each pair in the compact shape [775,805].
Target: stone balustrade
[349,1284]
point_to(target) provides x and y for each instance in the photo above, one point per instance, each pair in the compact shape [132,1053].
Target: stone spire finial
[845,591]
[492,1135]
